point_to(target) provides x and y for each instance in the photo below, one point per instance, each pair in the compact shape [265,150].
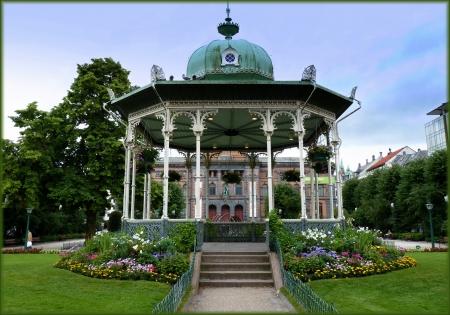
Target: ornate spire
[228,28]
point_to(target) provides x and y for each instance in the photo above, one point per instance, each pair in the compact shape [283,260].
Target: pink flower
[344,253]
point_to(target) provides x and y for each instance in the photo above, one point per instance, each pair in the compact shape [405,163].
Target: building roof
[385,159]
[405,159]
[440,110]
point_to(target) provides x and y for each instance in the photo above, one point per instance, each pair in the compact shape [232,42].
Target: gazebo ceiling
[232,128]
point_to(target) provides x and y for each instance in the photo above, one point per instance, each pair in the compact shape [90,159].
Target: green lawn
[420,290]
[30,285]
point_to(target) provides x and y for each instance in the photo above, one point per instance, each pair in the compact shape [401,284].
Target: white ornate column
[144,203]
[300,131]
[336,144]
[313,193]
[329,122]
[198,118]
[268,127]
[129,136]
[133,185]
[149,195]
[167,130]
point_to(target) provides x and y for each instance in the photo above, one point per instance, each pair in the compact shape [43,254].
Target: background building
[237,201]
[436,130]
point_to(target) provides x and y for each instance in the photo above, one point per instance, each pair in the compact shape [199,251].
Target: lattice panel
[154,230]
[323,226]
[294,227]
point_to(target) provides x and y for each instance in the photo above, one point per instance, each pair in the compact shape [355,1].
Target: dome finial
[228,28]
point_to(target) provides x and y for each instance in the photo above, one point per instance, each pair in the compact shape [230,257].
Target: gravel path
[238,299]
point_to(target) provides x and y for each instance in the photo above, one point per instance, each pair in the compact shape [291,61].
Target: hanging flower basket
[148,155]
[291,176]
[231,177]
[322,167]
[143,168]
[174,176]
[320,153]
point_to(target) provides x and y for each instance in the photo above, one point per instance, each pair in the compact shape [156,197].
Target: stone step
[235,258]
[236,283]
[209,253]
[236,275]
[235,266]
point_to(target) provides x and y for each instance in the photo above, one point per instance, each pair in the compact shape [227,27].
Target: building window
[239,190]
[321,190]
[185,190]
[264,190]
[212,189]
[212,173]
[297,187]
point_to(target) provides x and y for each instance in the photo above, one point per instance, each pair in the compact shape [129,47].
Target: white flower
[135,247]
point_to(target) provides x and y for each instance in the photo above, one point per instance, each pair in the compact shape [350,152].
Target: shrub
[173,264]
[184,237]
[115,221]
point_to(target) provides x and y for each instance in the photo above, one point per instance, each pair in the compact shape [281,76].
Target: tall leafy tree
[30,164]
[348,192]
[94,163]
[287,199]
[386,186]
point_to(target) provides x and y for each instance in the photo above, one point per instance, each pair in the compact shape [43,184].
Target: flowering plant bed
[230,177]
[355,252]
[119,256]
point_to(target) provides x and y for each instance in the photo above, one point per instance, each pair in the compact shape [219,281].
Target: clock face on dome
[229,58]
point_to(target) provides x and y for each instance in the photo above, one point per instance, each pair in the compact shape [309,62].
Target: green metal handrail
[170,303]
[301,292]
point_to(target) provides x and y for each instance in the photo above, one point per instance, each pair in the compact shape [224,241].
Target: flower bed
[119,256]
[355,252]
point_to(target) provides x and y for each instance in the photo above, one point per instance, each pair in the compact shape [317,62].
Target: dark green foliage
[173,264]
[230,177]
[184,237]
[115,221]
[348,191]
[287,199]
[408,188]
[291,176]
[174,176]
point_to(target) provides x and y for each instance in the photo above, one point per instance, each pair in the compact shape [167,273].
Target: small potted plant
[291,176]
[174,176]
[230,177]
[319,153]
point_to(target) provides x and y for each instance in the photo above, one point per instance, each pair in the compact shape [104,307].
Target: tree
[287,199]
[176,200]
[386,186]
[94,163]
[348,192]
[31,165]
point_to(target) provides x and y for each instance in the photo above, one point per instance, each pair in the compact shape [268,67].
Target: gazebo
[228,100]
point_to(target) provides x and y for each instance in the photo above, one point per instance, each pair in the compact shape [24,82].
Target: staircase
[235,269]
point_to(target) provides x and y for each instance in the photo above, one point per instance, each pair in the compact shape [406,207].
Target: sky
[395,53]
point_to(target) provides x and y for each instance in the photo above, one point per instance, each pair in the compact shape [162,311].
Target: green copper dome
[230,59]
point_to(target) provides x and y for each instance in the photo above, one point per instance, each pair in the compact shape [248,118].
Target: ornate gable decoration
[230,56]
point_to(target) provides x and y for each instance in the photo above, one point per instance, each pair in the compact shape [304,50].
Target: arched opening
[212,211]
[239,212]
[225,213]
